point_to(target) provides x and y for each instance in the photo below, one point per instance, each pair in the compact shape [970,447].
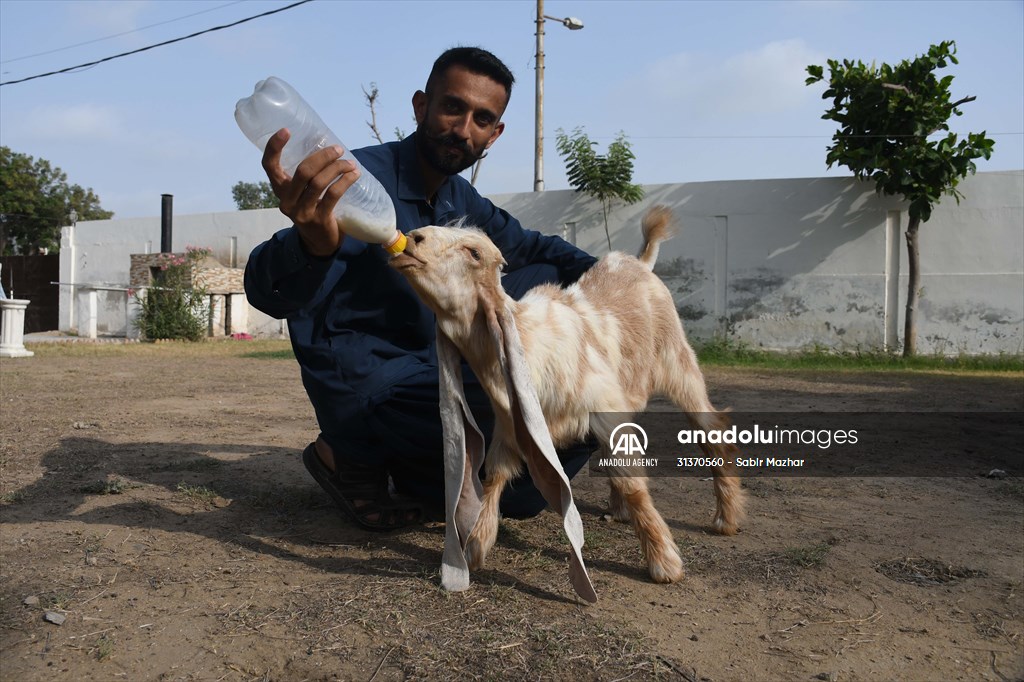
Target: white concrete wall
[780,264]
[787,264]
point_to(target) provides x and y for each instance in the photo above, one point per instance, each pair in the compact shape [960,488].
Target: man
[364,342]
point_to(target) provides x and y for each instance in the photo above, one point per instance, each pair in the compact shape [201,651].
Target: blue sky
[703,90]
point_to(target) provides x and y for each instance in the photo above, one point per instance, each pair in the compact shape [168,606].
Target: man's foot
[361,492]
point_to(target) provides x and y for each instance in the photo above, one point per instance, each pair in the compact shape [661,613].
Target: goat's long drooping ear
[534,439]
[463,457]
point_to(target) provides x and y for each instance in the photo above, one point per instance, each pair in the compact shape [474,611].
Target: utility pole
[538,149]
[573,24]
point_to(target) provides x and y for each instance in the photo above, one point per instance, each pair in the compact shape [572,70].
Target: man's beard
[447,154]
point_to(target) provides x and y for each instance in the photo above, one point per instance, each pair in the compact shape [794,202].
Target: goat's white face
[449,267]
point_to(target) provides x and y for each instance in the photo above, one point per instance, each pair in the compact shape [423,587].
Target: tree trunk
[604,210]
[913,288]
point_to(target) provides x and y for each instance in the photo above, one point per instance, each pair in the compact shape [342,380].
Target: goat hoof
[617,507]
[667,569]
[722,527]
[476,557]
[619,511]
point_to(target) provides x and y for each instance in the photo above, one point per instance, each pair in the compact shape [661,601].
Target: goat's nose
[418,238]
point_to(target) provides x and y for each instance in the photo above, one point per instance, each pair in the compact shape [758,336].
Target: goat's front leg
[501,468]
[485,532]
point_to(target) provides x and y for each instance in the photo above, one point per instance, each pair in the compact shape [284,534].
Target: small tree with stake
[605,177]
[886,116]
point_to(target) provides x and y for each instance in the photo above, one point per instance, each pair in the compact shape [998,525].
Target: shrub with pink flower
[174,306]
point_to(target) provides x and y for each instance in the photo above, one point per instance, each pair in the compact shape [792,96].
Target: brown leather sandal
[350,483]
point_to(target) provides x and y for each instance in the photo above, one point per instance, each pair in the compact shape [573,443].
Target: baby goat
[603,345]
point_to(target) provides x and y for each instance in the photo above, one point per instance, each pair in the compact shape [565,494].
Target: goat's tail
[657,226]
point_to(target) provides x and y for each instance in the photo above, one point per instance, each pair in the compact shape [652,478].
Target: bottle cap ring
[396,245]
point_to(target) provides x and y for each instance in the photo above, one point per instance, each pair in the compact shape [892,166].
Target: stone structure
[227,304]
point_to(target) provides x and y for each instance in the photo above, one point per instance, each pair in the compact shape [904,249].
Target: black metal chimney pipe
[166,211]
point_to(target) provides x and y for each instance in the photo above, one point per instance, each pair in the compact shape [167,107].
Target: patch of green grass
[283,354]
[114,486]
[728,352]
[725,351]
[104,647]
[721,351]
[95,544]
[258,348]
[810,556]
[198,493]
[12,497]
[596,536]
[59,601]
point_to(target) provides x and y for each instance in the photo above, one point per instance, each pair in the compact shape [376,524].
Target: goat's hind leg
[688,391]
[728,500]
[729,496]
[617,504]
[601,426]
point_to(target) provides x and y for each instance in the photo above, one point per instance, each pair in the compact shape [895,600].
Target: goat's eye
[474,253]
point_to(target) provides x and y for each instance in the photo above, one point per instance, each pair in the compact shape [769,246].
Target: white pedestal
[12,333]
[216,319]
[239,314]
[88,313]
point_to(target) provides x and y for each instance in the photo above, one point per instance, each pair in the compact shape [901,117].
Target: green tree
[36,201]
[886,116]
[605,177]
[249,195]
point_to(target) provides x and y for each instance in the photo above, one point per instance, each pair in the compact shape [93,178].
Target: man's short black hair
[475,60]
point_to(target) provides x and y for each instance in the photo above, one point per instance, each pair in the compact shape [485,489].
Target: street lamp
[573,24]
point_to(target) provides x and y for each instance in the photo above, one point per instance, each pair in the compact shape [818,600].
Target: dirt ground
[154,501]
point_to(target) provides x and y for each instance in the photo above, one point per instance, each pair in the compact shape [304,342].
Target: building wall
[788,264]
[780,264]
[99,253]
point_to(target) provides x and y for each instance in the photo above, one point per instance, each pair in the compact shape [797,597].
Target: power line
[150,47]
[117,35]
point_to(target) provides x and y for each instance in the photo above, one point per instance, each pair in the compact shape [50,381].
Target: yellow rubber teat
[397,244]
